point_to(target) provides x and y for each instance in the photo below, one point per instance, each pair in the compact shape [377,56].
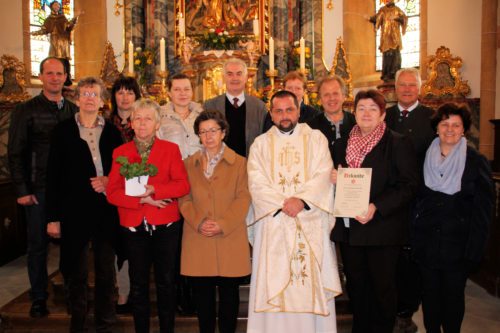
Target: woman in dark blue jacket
[453,212]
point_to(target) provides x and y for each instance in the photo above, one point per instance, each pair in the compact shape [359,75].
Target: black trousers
[37,247]
[409,284]
[229,300]
[158,248]
[371,285]
[75,274]
[443,300]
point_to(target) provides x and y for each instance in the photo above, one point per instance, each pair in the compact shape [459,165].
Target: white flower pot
[135,186]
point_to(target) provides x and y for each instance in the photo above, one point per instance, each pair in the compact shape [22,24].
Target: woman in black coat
[370,244]
[453,212]
[77,210]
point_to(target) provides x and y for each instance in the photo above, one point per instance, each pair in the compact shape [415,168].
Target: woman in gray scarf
[452,216]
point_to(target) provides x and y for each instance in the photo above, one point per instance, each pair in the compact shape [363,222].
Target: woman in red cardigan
[150,221]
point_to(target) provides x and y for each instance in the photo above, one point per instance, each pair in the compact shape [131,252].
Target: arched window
[39,11]
[410,54]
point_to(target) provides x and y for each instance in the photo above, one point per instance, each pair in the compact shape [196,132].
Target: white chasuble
[294,263]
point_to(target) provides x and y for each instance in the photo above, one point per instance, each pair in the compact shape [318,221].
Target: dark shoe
[39,309]
[405,325]
[123,308]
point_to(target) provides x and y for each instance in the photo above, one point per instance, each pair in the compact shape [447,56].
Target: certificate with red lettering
[352,193]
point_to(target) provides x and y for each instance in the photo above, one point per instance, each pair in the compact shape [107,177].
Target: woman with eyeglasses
[79,163]
[215,250]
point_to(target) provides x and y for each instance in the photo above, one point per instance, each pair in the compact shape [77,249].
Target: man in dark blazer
[244,113]
[412,119]
[295,82]
[333,122]
[80,159]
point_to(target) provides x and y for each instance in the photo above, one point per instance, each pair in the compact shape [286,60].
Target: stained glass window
[410,54]
[39,11]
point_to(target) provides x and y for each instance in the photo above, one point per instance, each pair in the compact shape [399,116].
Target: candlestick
[182,25]
[131,57]
[271,54]
[272,74]
[302,53]
[162,54]
[256,26]
[163,95]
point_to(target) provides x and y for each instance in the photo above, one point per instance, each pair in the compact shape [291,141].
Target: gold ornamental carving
[12,80]
[342,68]
[109,67]
[444,77]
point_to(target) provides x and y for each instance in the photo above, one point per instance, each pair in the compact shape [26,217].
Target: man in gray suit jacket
[244,113]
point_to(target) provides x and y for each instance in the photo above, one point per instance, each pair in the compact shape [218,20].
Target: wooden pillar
[90,37]
[488,76]
[359,41]
[423,39]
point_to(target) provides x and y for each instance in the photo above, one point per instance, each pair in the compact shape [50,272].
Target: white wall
[456,24]
[11,27]
[332,28]
[116,32]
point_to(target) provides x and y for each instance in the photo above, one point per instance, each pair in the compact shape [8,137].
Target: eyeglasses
[89,94]
[211,131]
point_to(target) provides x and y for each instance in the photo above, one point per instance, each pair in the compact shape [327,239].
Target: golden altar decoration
[12,80]
[341,67]
[109,67]
[248,20]
[444,77]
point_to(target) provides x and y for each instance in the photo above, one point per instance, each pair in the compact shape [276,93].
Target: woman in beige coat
[215,250]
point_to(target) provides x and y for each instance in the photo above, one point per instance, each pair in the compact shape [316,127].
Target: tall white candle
[256,26]
[131,57]
[302,54]
[271,54]
[182,25]
[162,54]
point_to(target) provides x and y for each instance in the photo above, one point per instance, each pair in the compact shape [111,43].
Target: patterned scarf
[144,148]
[212,162]
[359,146]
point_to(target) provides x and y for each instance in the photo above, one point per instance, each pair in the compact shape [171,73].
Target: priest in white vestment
[294,273]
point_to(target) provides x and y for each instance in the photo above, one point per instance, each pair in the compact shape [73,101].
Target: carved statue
[239,11]
[208,14]
[210,10]
[59,28]
[187,49]
[392,21]
[251,48]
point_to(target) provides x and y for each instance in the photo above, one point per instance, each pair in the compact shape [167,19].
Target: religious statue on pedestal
[59,28]
[392,21]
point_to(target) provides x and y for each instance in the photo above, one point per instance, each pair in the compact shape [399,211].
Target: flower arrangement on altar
[294,57]
[314,100]
[143,64]
[219,39]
